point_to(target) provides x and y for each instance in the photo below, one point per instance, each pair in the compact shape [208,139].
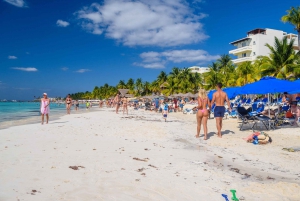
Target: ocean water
[10,111]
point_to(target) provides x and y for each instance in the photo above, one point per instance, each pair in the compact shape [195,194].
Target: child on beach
[165,112]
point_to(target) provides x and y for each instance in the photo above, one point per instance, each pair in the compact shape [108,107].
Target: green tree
[245,73]
[139,86]
[281,62]
[130,85]
[121,85]
[293,17]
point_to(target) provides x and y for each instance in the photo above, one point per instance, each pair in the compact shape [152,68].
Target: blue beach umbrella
[269,85]
[210,94]
[296,91]
[232,92]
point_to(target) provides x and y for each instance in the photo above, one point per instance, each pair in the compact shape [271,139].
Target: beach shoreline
[141,157]
[32,119]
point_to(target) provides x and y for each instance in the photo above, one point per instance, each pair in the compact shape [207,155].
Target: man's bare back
[220,97]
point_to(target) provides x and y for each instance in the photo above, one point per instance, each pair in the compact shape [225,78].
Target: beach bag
[288,114]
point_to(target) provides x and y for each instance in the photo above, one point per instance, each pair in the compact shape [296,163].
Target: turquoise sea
[10,111]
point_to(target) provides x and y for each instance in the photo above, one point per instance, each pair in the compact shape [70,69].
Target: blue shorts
[165,116]
[219,111]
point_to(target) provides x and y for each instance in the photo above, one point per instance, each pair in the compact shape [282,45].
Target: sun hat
[45,94]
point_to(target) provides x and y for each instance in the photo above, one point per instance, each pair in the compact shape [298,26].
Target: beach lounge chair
[248,101]
[245,117]
[259,110]
[265,101]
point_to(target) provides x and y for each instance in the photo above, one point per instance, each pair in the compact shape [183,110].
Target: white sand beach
[140,157]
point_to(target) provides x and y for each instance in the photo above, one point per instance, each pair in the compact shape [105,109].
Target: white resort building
[248,48]
[198,69]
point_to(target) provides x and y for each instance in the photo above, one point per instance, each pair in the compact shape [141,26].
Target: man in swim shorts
[219,97]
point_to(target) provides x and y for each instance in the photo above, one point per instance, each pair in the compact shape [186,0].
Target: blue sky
[61,47]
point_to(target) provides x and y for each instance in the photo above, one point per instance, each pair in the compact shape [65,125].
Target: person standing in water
[219,97]
[45,109]
[202,114]
[76,105]
[68,104]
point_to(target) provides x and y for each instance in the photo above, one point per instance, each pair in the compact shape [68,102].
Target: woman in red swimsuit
[202,114]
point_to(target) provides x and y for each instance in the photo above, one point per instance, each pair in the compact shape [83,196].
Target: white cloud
[62,23]
[82,70]
[12,57]
[18,3]
[151,65]
[159,59]
[144,22]
[28,69]
[64,68]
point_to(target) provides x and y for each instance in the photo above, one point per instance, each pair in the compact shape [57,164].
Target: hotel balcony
[242,59]
[241,50]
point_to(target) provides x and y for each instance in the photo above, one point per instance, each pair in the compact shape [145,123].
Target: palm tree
[212,78]
[121,85]
[282,60]
[146,88]
[245,73]
[139,86]
[224,61]
[155,87]
[162,77]
[171,87]
[293,17]
[130,85]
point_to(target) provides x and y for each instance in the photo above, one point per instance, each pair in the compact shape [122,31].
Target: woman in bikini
[202,114]
[68,104]
[125,104]
[45,109]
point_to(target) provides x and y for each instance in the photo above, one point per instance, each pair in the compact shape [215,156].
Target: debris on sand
[76,167]
[152,166]
[235,170]
[144,160]
[141,170]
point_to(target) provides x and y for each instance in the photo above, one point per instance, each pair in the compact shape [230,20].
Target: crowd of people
[164,106]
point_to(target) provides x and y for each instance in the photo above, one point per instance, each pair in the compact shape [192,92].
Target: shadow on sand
[226,132]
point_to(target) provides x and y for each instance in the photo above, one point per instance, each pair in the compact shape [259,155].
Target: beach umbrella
[269,85]
[188,95]
[232,92]
[180,94]
[295,91]
[210,94]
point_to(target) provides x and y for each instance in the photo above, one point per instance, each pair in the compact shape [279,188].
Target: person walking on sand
[202,114]
[117,102]
[45,109]
[219,97]
[125,104]
[68,104]
[165,111]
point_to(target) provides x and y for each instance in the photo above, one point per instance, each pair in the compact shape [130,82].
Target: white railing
[241,49]
[242,59]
